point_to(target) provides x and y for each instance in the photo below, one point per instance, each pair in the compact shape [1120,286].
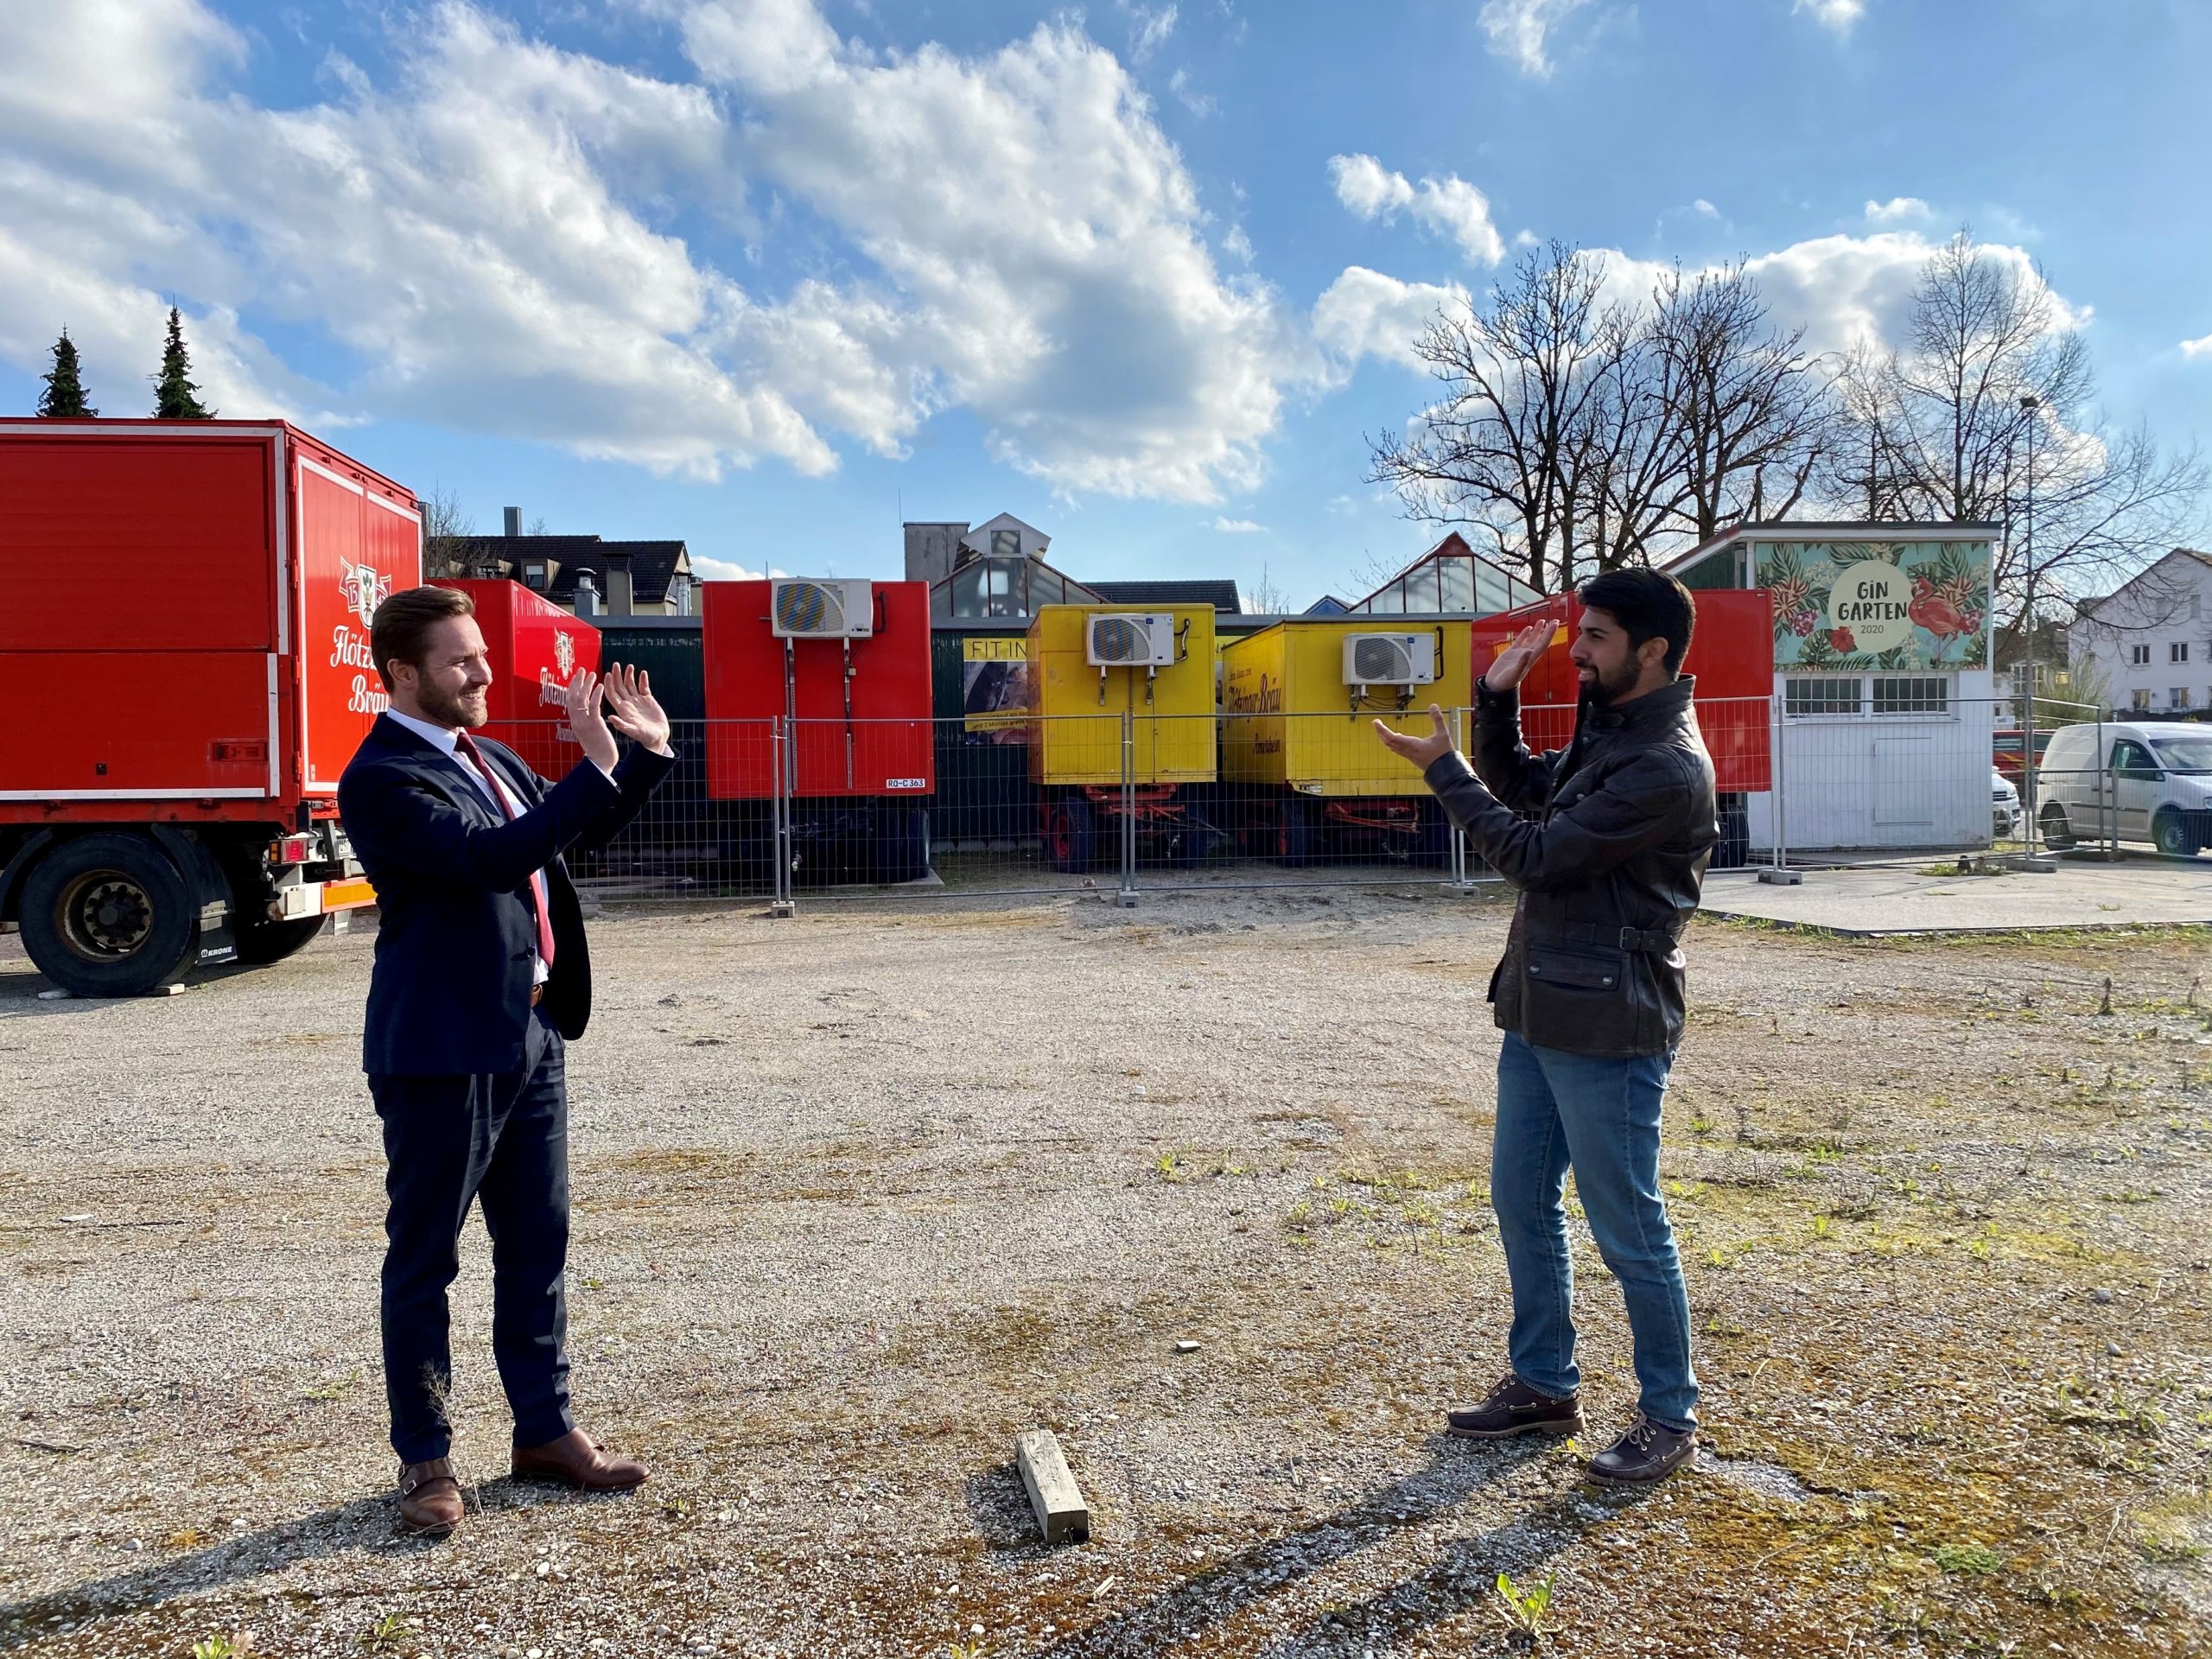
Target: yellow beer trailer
[1089,665]
[1297,749]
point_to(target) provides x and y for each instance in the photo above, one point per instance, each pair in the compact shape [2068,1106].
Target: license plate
[905,783]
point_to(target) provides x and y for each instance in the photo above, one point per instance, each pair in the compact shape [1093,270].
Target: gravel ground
[863,1194]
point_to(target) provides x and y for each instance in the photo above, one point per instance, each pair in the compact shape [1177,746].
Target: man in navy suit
[481,972]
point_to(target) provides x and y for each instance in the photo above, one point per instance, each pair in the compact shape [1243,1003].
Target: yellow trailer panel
[1290,720]
[1077,706]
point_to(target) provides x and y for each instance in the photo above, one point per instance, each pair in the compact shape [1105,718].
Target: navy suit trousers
[450,1142]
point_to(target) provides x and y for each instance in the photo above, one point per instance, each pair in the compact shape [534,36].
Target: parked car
[2004,808]
[2149,781]
[2007,747]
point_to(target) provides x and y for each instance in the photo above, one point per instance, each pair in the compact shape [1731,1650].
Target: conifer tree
[65,391]
[175,396]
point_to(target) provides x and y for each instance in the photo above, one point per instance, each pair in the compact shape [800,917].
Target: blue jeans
[1601,1116]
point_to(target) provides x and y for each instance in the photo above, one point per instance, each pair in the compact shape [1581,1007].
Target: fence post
[780,902]
[1128,896]
[1778,873]
[1463,878]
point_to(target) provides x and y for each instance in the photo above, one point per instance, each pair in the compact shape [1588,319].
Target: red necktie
[474,756]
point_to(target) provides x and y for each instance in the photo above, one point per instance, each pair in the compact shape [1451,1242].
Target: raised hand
[579,700]
[631,710]
[1523,653]
[1423,752]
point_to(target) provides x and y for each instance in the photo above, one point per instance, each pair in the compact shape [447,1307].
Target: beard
[1603,690]
[461,708]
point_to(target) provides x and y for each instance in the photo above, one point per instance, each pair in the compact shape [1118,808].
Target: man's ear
[1653,650]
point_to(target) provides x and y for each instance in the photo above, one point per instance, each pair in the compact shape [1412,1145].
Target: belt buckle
[1631,938]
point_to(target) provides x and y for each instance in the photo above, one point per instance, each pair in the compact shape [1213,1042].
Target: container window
[1806,696]
[1929,694]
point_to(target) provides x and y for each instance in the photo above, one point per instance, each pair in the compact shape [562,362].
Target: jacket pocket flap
[1577,970]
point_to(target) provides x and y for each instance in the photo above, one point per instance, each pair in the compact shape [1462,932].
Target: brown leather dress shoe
[574,1461]
[429,1497]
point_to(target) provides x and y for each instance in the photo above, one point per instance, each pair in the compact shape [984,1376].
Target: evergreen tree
[175,397]
[65,391]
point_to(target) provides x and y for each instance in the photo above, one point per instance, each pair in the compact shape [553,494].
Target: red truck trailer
[535,648]
[1731,654]
[184,659]
[845,664]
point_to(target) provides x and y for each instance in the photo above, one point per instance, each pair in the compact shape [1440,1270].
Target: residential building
[587,574]
[2147,644]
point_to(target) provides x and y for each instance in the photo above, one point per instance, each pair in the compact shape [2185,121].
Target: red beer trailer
[845,664]
[184,655]
[534,646]
[1731,654]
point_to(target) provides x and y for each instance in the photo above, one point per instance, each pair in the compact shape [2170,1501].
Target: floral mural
[1931,616]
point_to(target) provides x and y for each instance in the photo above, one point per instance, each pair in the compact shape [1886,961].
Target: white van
[2155,779]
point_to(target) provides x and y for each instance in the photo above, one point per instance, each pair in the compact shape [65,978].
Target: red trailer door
[356,548]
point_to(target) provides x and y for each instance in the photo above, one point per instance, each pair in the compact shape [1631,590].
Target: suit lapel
[449,771]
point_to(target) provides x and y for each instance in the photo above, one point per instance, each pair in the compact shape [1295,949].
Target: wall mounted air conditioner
[1129,640]
[802,609]
[1389,659]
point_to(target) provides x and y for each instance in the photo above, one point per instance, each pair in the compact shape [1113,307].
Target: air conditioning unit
[803,609]
[1390,659]
[1129,640]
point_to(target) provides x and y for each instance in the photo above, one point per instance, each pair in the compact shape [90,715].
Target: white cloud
[1149,27]
[1518,30]
[1365,313]
[1238,527]
[2197,347]
[1704,209]
[1846,290]
[1237,245]
[1899,210]
[1449,204]
[708,569]
[1837,15]
[1198,104]
[481,227]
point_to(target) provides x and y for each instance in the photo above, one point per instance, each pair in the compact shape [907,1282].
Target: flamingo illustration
[1931,611]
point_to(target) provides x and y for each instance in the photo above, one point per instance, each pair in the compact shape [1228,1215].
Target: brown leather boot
[429,1498]
[574,1461]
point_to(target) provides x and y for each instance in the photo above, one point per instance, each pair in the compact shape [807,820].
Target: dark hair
[1649,605]
[401,631]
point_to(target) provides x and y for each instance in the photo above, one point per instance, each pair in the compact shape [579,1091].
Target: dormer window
[533,576]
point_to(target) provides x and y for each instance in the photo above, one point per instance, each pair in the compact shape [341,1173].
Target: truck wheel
[109,915]
[264,942]
[1068,835]
[2169,834]
[1295,831]
[2057,834]
[1733,850]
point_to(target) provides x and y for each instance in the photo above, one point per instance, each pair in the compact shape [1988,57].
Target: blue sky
[771,275]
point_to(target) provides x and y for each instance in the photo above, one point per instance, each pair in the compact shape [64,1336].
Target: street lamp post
[2029,405]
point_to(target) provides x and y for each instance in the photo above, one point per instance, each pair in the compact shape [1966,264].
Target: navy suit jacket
[450,990]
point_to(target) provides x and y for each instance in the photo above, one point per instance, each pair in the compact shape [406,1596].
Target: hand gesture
[631,709]
[1524,652]
[1423,752]
[579,700]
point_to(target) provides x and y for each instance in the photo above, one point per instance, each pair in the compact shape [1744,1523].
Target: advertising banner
[1877,607]
[994,686]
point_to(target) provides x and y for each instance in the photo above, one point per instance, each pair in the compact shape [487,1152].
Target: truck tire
[2057,834]
[263,942]
[1069,835]
[1733,850]
[109,915]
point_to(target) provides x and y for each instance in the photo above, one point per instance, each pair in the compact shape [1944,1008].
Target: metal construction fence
[1126,802]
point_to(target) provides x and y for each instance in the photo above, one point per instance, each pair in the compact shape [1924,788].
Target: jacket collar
[1653,708]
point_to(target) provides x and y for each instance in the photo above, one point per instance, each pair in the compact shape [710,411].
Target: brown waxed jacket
[1607,840]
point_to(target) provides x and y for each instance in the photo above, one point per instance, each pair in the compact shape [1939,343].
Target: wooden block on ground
[1061,1512]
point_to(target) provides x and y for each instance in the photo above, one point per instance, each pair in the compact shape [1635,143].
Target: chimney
[619,595]
[514,521]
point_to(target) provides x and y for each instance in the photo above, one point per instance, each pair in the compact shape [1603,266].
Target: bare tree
[1756,409]
[1993,380]
[446,532]
[1263,598]
[1517,377]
